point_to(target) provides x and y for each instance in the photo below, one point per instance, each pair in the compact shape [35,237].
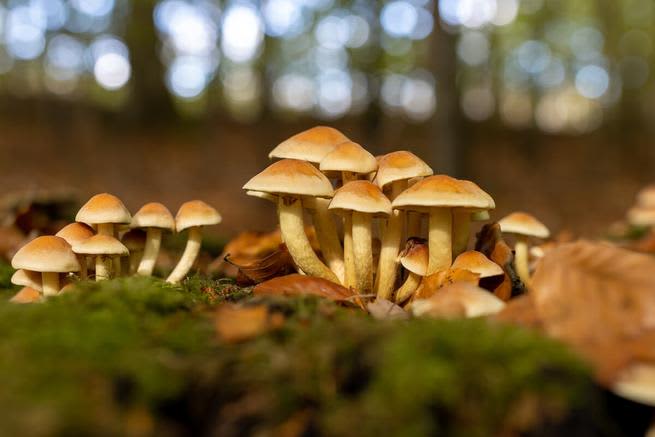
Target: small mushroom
[192,215]
[363,200]
[154,217]
[637,383]
[646,197]
[524,226]
[74,233]
[490,273]
[26,295]
[415,260]
[106,249]
[27,278]
[311,145]
[642,216]
[459,299]
[50,256]
[135,241]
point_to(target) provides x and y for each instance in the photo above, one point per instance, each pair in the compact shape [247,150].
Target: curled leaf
[300,285]
[236,323]
[278,263]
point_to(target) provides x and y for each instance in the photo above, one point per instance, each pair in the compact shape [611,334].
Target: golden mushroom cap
[477,262]
[103,208]
[46,254]
[351,157]
[415,257]
[27,278]
[400,165]
[101,245]
[196,213]
[291,177]
[153,215]
[441,191]
[73,233]
[522,223]
[641,216]
[311,145]
[361,196]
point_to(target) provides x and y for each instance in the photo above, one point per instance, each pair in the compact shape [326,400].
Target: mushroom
[26,295]
[363,200]
[646,197]
[394,171]
[642,216]
[74,233]
[106,249]
[192,215]
[415,260]
[50,256]
[347,160]
[154,217]
[310,145]
[27,278]
[437,195]
[637,383]
[524,226]
[291,180]
[490,273]
[462,218]
[135,241]
[105,210]
[459,299]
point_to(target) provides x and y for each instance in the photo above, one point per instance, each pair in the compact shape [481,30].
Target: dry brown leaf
[299,285]
[236,323]
[278,263]
[521,311]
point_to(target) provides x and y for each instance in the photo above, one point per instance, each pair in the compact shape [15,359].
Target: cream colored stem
[413,224]
[135,260]
[189,256]
[347,176]
[150,252]
[461,230]
[363,252]
[107,263]
[326,232]
[348,255]
[408,288]
[521,260]
[388,264]
[106,229]
[50,283]
[293,234]
[440,240]
[103,267]
[84,275]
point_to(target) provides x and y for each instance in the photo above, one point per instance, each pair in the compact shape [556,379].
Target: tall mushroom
[153,217]
[394,172]
[73,233]
[363,200]
[105,210]
[346,161]
[311,145]
[192,215]
[438,195]
[490,273]
[524,226]
[291,180]
[135,241]
[414,258]
[105,248]
[50,256]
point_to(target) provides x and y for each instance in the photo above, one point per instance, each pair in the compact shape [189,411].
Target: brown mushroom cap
[350,157]
[477,262]
[27,278]
[440,191]
[153,215]
[103,208]
[46,254]
[646,197]
[641,216]
[26,295]
[401,165]
[476,188]
[522,223]
[311,145]
[291,177]
[415,257]
[475,300]
[101,245]
[196,213]
[361,196]
[73,233]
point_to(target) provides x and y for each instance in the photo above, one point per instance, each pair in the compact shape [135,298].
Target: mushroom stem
[108,229]
[521,260]
[84,275]
[326,232]
[440,240]
[293,234]
[150,252]
[388,264]
[348,255]
[362,251]
[413,224]
[50,283]
[134,261]
[461,228]
[408,288]
[189,256]
[103,267]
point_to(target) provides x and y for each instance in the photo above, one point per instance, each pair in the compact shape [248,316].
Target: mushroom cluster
[107,240]
[355,199]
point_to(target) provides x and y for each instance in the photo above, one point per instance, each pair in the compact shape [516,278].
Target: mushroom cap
[311,145]
[397,166]
[415,256]
[153,215]
[46,254]
[262,195]
[480,215]
[134,239]
[73,233]
[646,197]
[641,216]
[477,262]
[637,383]
[349,156]
[196,213]
[101,245]
[361,196]
[441,191]
[103,208]
[476,188]
[291,177]
[27,278]
[522,223]
[26,295]
[475,300]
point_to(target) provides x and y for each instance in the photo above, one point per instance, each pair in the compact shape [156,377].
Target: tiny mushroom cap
[134,239]
[415,257]
[476,189]
[641,216]
[262,195]
[350,157]
[196,213]
[477,262]
[291,177]
[26,295]
[646,197]
[440,191]
[475,300]
[361,196]
[637,383]
[153,215]
[46,254]
[27,278]
[401,165]
[73,233]
[311,145]
[101,245]
[103,208]
[522,223]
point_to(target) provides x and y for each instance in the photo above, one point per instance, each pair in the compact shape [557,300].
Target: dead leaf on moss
[278,263]
[302,285]
[235,323]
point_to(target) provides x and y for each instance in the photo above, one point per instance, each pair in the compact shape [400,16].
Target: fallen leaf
[383,309]
[278,263]
[302,285]
[235,323]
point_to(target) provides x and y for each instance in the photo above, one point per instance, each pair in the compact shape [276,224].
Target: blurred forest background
[548,104]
